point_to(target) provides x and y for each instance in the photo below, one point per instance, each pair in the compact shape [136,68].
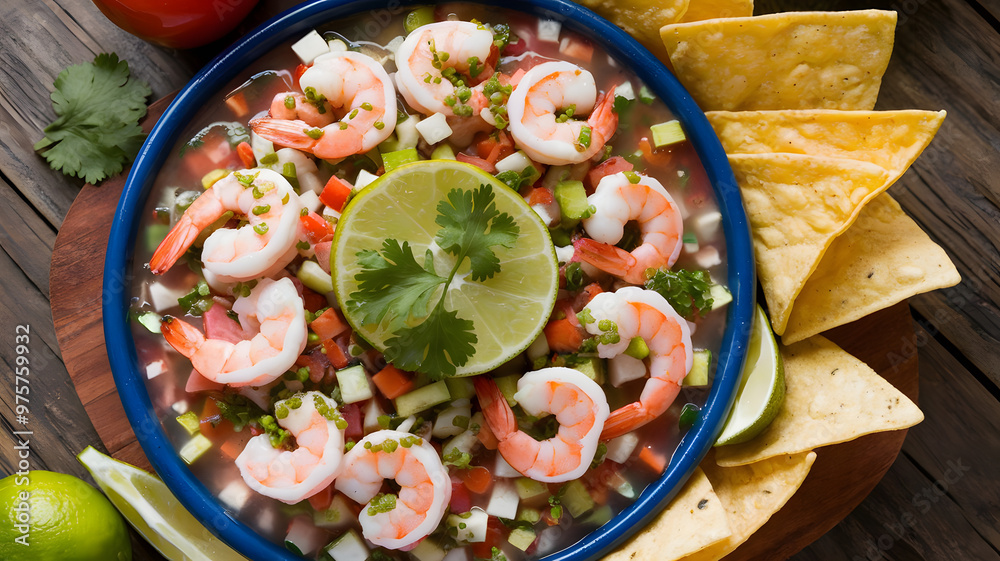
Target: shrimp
[290,106]
[274,312]
[434,54]
[356,87]
[618,201]
[264,246]
[549,137]
[637,312]
[291,476]
[388,520]
[580,407]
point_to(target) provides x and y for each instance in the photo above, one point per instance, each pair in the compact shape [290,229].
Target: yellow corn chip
[751,494]
[642,19]
[882,259]
[797,205]
[699,10]
[830,397]
[694,520]
[890,139]
[792,60]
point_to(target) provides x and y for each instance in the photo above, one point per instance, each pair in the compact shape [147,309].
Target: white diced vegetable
[310,183]
[470,526]
[372,412]
[406,133]
[503,500]
[623,368]
[354,384]
[310,200]
[154,369]
[329,212]
[306,537]
[261,146]
[707,225]
[564,254]
[708,257]
[314,277]
[515,162]
[393,45]
[338,515]
[465,442]
[543,212]
[364,179]
[621,448]
[625,90]
[303,163]
[445,426]
[539,347]
[503,469]
[348,547]
[235,494]
[180,407]
[692,247]
[434,129]
[162,297]
[310,47]
[337,46]
[549,30]
[457,554]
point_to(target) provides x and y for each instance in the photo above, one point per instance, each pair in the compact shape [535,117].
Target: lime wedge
[508,310]
[153,511]
[762,388]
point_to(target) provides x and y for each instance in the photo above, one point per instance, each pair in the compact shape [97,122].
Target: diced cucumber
[422,398]
[470,527]
[503,499]
[314,277]
[348,547]
[190,422]
[508,387]
[592,368]
[665,134]
[419,17]
[154,235]
[354,384]
[572,199]
[720,296]
[577,499]
[637,348]
[531,491]
[195,448]
[152,322]
[396,158]
[528,514]
[599,517]
[443,152]
[698,376]
[304,537]
[444,424]
[428,550]
[211,177]
[460,387]
[522,537]
[337,515]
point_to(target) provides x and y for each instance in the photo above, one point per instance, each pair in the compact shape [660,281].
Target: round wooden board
[840,479]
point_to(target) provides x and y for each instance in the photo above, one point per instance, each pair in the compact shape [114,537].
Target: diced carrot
[540,196]
[237,103]
[610,166]
[335,193]
[578,49]
[337,356]
[322,500]
[316,227]
[652,155]
[230,449]
[478,479]
[487,438]
[563,336]
[212,425]
[476,161]
[245,153]
[656,461]
[393,382]
[329,324]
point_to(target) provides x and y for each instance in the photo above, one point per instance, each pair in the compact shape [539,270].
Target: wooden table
[939,500]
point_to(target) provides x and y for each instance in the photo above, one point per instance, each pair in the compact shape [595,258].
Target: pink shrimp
[291,476]
[543,111]
[617,201]
[273,312]
[290,106]
[354,86]
[580,407]
[637,312]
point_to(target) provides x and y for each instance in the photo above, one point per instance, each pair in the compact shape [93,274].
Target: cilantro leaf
[689,292]
[434,346]
[98,107]
[393,283]
[471,225]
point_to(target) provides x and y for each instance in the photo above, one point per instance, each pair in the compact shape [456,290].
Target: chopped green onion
[261,228]
[258,210]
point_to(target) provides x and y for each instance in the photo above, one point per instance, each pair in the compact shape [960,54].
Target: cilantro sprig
[689,292]
[98,107]
[426,336]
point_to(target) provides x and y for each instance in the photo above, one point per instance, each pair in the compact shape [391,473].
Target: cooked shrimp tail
[606,257]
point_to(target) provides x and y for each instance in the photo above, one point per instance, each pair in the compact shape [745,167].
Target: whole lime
[46,515]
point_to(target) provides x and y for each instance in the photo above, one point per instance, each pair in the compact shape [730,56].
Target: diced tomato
[563,336]
[393,382]
[316,361]
[329,324]
[586,295]
[653,155]
[237,103]
[495,535]
[476,161]
[487,438]
[494,146]
[610,166]
[337,356]
[515,79]
[245,153]
[313,300]
[322,500]
[322,251]
[219,325]
[335,193]
[540,196]
[316,227]
[460,499]
[478,479]
[299,71]
[255,430]
[355,425]
[198,383]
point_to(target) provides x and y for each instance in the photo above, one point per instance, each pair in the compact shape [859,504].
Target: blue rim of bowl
[300,19]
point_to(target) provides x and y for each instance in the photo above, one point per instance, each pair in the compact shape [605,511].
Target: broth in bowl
[323,432]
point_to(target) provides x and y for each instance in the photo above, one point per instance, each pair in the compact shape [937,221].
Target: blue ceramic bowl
[299,20]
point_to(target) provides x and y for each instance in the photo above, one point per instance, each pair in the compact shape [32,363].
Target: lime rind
[762,388]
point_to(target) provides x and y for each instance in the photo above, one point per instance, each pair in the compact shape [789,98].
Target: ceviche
[364,411]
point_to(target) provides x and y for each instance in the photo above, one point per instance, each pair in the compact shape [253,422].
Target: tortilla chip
[792,60]
[830,397]
[882,259]
[751,494]
[642,19]
[694,520]
[796,206]
[890,139]
[699,10]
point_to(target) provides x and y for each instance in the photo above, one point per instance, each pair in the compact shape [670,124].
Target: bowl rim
[294,22]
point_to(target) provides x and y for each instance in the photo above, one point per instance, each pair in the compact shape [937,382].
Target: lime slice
[762,389]
[508,310]
[153,511]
